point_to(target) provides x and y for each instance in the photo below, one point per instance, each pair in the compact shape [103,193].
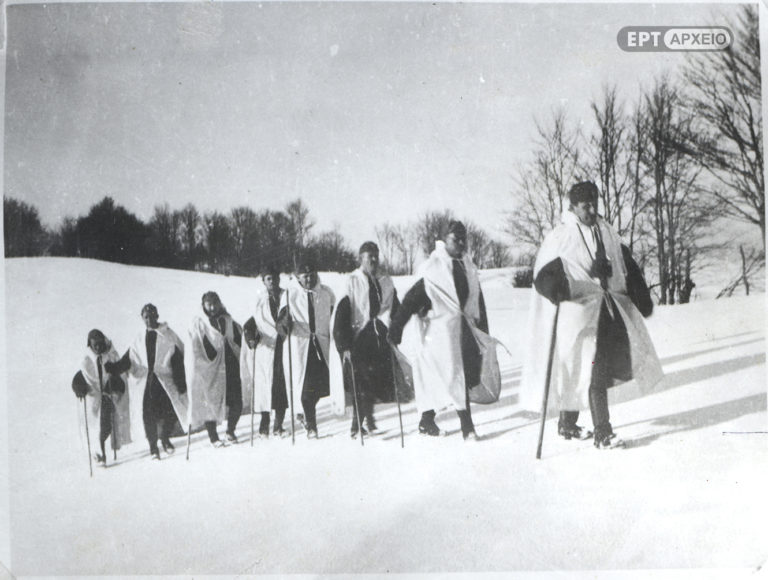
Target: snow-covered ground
[687,493]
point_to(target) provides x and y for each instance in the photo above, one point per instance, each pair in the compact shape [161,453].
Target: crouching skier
[107,401]
[158,354]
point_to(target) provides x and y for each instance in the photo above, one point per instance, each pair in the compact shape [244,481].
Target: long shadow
[687,355]
[701,373]
[702,417]
[730,336]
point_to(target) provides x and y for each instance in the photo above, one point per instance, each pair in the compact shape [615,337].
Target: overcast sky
[370,112]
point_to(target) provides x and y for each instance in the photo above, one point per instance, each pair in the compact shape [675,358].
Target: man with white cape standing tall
[305,317]
[261,363]
[107,398]
[157,354]
[216,389]
[590,280]
[360,333]
[454,332]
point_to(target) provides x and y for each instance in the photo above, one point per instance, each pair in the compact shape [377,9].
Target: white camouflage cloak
[438,369]
[208,387]
[295,297]
[360,307]
[256,368]
[165,346]
[121,424]
[576,342]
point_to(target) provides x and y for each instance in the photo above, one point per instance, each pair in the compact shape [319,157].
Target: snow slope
[687,494]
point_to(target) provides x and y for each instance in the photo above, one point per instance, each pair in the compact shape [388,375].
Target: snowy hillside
[687,493]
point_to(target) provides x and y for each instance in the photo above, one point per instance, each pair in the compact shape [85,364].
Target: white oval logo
[705,38]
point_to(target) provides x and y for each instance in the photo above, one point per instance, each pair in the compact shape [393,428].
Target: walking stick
[357,401]
[392,354]
[189,439]
[290,367]
[253,392]
[87,437]
[114,431]
[547,381]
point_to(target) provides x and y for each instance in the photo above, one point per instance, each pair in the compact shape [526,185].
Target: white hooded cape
[438,369]
[359,302]
[576,334]
[208,387]
[256,365]
[121,424]
[166,344]
[297,348]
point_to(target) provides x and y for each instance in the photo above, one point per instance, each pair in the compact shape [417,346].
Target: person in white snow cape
[600,338]
[157,354]
[305,314]
[216,389]
[360,331]
[107,400]
[261,363]
[448,299]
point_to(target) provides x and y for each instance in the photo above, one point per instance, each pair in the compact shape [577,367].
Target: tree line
[242,242]
[670,165]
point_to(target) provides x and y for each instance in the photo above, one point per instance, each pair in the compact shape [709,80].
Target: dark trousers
[105,421]
[612,361]
[157,412]
[309,401]
[233,416]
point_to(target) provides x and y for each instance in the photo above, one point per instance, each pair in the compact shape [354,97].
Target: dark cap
[582,191]
[456,228]
[369,247]
[95,334]
[148,307]
[211,296]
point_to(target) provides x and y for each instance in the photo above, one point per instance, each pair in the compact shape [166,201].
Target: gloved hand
[601,268]
[79,385]
[395,336]
[115,385]
[109,366]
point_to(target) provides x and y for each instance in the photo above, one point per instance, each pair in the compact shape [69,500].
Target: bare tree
[164,227]
[543,185]
[680,212]
[725,87]
[498,255]
[190,234]
[432,226]
[612,155]
[298,213]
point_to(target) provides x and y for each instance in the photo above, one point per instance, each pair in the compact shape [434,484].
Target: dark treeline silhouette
[241,242]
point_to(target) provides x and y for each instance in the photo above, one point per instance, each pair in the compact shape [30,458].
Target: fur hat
[369,247]
[582,191]
[95,334]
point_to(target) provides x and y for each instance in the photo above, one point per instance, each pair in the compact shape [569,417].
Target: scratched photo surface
[157,151]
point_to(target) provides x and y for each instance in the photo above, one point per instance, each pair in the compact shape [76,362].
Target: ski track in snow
[688,492]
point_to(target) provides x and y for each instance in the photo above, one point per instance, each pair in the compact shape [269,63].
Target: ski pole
[189,439]
[393,354]
[253,391]
[546,382]
[357,401]
[114,430]
[87,437]
[290,365]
